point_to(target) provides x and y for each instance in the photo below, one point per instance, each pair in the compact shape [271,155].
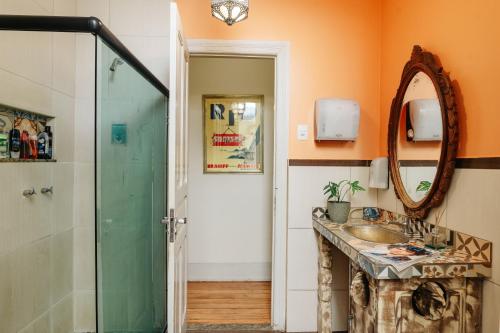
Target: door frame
[280,50]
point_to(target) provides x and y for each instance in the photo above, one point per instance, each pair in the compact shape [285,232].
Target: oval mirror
[423,135]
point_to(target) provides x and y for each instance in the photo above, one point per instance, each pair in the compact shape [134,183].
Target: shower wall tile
[62,210]
[31,270]
[40,325]
[84,267]
[62,315]
[47,5]
[85,64]
[84,311]
[21,7]
[132,18]
[84,131]
[97,8]
[64,126]
[123,18]
[64,67]
[10,206]
[61,256]
[15,88]
[35,213]
[65,7]
[6,294]
[28,54]
[84,195]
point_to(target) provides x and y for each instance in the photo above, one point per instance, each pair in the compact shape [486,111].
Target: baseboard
[229,272]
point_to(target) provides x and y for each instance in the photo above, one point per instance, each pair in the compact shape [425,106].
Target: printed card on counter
[400,256]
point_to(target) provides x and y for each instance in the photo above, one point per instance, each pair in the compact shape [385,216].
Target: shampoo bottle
[33,147]
[25,145]
[43,145]
[50,151]
[15,143]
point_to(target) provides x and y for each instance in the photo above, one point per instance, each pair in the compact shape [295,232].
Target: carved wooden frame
[425,62]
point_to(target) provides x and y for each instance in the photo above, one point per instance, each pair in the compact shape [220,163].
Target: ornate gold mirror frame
[422,61]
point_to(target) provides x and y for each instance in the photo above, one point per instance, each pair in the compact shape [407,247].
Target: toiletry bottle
[25,145]
[15,143]
[43,145]
[33,147]
[50,150]
[4,144]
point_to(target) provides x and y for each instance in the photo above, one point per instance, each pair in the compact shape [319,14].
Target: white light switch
[302,132]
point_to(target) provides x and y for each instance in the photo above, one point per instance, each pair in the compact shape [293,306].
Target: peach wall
[335,52]
[465,36]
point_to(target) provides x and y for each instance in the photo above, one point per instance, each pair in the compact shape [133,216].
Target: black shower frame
[94,26]
[79,24]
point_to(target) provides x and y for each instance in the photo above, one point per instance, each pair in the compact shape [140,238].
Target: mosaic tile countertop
[468,256]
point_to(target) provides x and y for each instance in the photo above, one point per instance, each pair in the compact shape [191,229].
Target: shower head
[116,62]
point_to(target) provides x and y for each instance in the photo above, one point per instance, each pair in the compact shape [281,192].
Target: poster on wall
[233,134]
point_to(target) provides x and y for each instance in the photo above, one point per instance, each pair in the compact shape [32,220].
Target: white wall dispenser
[425,115]
[379,173]
[336,119]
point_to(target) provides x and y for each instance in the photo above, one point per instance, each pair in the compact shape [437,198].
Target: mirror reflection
[420,136]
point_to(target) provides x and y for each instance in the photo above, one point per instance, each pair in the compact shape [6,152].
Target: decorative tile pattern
[475,247]
[320,213]
[470,258]
[432,271]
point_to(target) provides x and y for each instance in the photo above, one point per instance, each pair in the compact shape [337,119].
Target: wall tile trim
[341,163]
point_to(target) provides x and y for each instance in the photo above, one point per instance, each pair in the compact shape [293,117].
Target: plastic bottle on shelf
[43,145]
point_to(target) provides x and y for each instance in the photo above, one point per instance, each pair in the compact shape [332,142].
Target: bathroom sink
[376,234]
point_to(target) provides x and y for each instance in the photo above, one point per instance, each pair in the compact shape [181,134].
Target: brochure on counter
[400,256]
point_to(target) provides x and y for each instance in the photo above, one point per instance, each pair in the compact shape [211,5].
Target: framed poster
[233,134]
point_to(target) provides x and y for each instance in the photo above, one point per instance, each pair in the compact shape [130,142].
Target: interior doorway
[231,213]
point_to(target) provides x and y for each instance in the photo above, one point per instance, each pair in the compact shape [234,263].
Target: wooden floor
[229,303]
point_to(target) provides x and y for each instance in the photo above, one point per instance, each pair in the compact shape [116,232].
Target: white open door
[177,179]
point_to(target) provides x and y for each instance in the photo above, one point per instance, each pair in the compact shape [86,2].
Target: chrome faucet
[405,224]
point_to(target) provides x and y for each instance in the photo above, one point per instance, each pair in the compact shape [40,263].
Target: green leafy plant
[424,186]
[338,191]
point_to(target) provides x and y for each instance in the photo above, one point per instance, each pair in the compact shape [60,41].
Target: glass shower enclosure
[130,197]
[118,195]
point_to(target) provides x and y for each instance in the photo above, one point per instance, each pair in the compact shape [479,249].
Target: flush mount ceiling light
[230,11]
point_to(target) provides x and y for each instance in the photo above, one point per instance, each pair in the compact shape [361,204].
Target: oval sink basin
[376,234]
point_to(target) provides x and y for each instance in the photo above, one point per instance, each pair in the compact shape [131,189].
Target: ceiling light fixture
[230,11]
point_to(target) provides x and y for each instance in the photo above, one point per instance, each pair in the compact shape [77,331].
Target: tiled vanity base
[390,307]
[383,300]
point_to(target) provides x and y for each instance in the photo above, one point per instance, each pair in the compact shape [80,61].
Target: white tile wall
[303,264]
[304,193]
[37,73]
[301,310]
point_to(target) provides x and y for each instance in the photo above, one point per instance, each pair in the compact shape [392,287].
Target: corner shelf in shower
[18,160]
[23,120]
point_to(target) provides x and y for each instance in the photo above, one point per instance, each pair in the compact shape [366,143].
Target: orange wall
[335,52]
[465,34]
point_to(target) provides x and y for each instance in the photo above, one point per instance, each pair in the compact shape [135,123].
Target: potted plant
[338,208]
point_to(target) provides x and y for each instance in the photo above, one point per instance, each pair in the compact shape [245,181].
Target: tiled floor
[229,303]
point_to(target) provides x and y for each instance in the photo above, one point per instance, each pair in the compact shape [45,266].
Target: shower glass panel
[130,197]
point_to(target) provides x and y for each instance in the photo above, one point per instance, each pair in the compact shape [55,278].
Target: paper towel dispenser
[425,118]
[336,119]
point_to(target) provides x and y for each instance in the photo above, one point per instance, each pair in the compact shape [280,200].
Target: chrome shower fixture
[116,63]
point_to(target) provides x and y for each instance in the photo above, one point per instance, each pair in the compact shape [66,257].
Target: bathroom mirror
[423,134]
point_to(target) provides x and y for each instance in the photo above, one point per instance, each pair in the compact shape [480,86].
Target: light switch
[302,132]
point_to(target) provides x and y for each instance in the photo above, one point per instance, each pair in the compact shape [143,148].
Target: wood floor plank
[220,303]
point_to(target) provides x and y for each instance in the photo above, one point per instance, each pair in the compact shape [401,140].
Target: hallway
[229,303]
